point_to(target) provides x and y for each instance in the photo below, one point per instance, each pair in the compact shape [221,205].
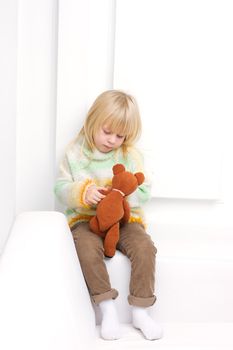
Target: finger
[94,200]
[102,188]
[104,191]
[101,195]
[97,198]
[89,200]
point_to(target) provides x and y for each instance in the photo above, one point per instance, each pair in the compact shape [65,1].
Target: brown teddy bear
[114,210]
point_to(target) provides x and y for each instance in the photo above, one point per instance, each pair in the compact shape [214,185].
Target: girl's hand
[93,196]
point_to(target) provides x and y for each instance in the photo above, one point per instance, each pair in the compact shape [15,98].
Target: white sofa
[44,302]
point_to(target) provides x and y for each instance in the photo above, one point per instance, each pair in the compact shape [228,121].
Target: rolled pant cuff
[111,294]
[143,302]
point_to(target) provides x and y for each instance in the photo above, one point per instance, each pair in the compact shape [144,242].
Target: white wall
[179,66]
[85,62]
[176,58]
[54,61]
[8,50]
[36,104]
[28,107]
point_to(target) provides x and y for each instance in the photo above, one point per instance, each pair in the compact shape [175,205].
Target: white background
[175,56]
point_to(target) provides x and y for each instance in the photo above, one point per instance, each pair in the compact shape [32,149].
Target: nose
[112,139]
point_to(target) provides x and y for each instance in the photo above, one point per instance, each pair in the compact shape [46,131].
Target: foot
[110,326]
[141,320]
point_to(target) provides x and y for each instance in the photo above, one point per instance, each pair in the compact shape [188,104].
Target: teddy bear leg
[111,239]
[94,226]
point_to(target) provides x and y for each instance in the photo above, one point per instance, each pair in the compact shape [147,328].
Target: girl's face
[106,141]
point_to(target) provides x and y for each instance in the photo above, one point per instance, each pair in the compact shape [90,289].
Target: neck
[122,193]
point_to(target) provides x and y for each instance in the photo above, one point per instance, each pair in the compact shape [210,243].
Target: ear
[140,178]
[118,168]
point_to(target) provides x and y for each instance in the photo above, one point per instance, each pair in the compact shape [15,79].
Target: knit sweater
[81,168]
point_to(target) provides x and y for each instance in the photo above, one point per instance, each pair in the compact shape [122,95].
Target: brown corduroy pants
[136,244]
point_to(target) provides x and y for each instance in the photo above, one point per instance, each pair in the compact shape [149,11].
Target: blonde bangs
[125,126]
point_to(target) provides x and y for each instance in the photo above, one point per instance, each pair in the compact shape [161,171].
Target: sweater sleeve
[69,192]
[143,192]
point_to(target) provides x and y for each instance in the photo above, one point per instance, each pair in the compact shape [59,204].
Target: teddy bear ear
[118,168]
[140,178]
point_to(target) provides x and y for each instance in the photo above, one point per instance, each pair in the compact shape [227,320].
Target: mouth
[108,147]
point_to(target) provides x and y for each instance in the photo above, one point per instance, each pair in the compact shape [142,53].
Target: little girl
[111,128]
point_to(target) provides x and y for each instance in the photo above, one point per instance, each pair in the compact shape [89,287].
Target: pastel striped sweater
[80,168]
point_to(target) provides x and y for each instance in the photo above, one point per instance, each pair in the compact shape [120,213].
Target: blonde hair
[119,112]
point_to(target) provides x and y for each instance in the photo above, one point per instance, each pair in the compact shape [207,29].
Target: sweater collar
[97,155]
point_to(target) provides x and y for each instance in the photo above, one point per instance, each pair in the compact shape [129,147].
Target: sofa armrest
[44,300]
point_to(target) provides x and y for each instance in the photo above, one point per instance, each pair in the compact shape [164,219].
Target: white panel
[36,95]
[176,58]
[100,47]
[85,59]
[8,46]
[72,70]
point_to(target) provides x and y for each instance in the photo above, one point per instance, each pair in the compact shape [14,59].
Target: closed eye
[107,132]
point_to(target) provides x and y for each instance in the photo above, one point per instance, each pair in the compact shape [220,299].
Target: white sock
[110,326]
[142,321]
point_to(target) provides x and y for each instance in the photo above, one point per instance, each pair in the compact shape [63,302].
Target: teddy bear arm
[126,207]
